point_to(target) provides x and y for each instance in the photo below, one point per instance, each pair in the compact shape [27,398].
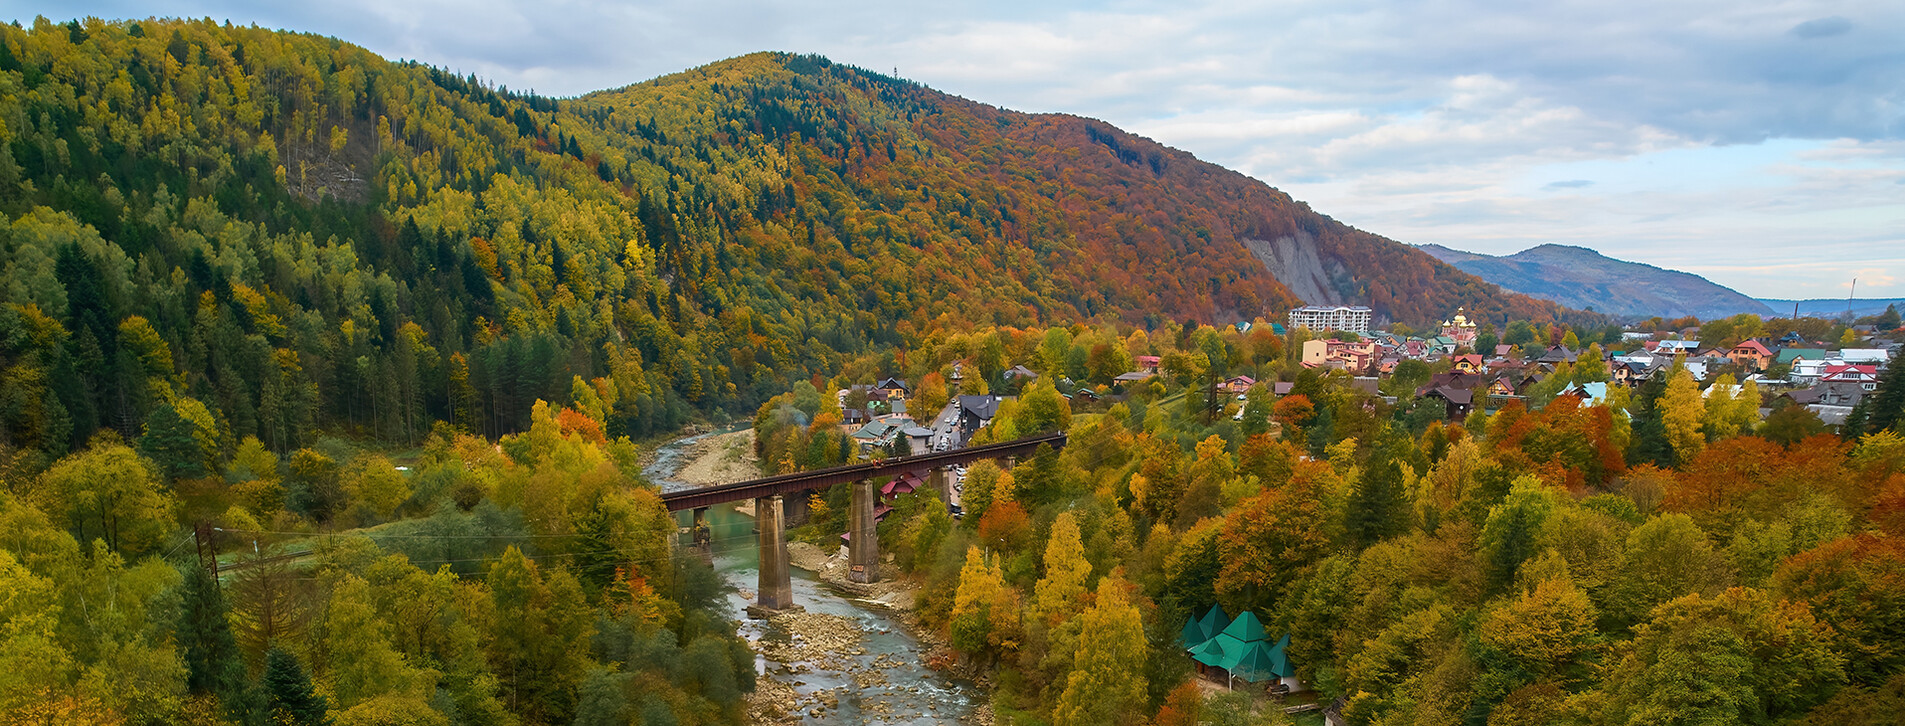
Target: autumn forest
[392,347]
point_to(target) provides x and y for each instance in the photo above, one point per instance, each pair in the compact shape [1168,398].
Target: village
[1828,380]
[1445,370]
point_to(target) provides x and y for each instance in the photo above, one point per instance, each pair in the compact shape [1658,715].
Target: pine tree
[1056,596]
[288,692]
[1650,432]
[169,442]
[213,663]
[1886,407]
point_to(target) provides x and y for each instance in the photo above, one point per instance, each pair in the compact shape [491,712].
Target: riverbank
[857,654]
[720,459]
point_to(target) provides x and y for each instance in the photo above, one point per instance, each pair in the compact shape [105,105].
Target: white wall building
[1353,318]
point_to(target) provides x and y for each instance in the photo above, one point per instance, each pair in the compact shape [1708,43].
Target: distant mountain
[1578,277]
[1832,307]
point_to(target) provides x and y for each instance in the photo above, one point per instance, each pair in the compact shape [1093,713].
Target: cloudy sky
[1761,144]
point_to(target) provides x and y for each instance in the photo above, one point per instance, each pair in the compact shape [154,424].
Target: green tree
[109,492]
[213,663]
[1509,534]
[172,442]
[1739,656]
[288,693]
[1107,682]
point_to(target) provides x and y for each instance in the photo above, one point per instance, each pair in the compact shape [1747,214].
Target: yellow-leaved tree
[1058,593]
[1107,680]
[1681,411]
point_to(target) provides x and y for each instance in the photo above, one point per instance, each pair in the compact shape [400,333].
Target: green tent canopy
[1214,653]
[1246,627]
[1197,630]
[1262,661]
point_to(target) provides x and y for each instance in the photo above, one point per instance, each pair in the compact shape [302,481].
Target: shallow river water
[888,683]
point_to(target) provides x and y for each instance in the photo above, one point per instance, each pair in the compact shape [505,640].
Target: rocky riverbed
[851,656]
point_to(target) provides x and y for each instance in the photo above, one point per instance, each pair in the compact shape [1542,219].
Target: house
[1458,401]
[1238,384]
[1283,388]
[1018,373]
[1630,373]
[1501,388]
[1865,377]
[919,439]
[906,483]
[1788,356]
[1557,355]
[1589,393]
[854,417]
[1828,394]
[1876,357]
[1751,355]
[1671,348]
[893,388]
[1149,363]
[876,433]
[974,412]
[1452,379]
[1470,363]
[1124,379]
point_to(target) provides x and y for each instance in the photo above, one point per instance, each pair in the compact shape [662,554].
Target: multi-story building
[1353,318]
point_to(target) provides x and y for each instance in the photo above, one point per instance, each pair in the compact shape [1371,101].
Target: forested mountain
[269,233]
[1582,278]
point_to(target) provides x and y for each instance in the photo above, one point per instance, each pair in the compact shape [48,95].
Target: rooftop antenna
[1848,297]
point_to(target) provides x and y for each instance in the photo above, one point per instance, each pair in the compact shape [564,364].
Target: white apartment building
[1354,318]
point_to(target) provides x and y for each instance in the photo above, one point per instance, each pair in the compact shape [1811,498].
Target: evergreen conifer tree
[213,663]
[1886,406]
[288,692]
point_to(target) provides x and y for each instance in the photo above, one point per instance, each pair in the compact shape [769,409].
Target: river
[887,683]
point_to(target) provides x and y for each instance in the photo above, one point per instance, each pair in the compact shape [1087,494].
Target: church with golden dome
[1460,329]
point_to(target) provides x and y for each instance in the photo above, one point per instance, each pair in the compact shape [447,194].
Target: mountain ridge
[313,237]
[1580,277]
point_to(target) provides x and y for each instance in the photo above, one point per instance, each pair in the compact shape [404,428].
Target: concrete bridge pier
[776,591]
[863,548]
[796,508]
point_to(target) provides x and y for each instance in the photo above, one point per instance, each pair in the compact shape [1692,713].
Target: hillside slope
[299,235]
[1578,277]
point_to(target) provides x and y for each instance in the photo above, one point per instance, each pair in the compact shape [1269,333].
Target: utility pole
[205,539]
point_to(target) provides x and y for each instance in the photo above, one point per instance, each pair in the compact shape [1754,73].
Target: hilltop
[311,236]
[1578,277]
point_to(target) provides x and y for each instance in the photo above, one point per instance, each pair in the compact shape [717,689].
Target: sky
[1761,144]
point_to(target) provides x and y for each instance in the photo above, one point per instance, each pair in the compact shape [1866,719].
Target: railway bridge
[771,510]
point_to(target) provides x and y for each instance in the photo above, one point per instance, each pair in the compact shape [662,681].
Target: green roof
[1214,653]
[1262,662]
[1246,627]
[1197,630]
[1789,355]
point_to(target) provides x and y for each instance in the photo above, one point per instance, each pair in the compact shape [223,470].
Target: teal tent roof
[1213,653]
[1262,661]
[1245,628]
[1194,634]
[1214,621]
[1197,630]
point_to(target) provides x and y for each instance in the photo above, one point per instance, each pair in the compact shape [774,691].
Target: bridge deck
[802,481]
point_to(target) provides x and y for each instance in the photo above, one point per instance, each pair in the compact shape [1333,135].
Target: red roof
[1754,346]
